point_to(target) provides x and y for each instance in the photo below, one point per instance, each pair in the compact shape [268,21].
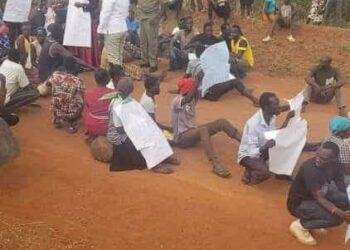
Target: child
[269,10]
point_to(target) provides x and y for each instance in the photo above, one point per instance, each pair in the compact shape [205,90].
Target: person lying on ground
[324,82]
[10,118]
[186,134]
[217,90]
[206,38]
[67,95]
[19,90]
[25,47]
[96,111]
[148,99]
[178,52]
[285,18]
[125,154]
[53,52]
[253,150]
[317,196]
[221,8]
[340,133]
[242,54]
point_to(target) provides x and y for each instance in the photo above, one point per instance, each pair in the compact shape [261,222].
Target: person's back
[15,77]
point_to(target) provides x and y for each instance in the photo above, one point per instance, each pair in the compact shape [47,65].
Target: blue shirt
[132,25]
[270,6]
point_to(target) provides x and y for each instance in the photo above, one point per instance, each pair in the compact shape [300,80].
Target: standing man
[324,83]
[150,12]
[253,152]
[314,199]
[113,26]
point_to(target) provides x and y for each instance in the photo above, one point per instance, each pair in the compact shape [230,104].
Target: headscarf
[184,85]
[339,124]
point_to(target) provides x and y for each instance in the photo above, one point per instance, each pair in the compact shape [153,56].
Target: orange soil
[55,196]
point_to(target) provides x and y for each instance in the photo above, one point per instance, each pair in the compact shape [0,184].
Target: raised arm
[310,79]
[193,93]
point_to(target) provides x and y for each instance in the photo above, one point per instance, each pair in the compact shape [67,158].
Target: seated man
[148,99]
[96,111]
[221,8]
[178,45]
[26,49]
[314,199]
[242,53]
[214,92]
[4,41]
[285,19]
[254,148]
[206,38]
[10,118]
[340,128]
[324,83]
[19,91]
[187,135]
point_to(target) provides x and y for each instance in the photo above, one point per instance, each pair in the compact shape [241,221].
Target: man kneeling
[314,199]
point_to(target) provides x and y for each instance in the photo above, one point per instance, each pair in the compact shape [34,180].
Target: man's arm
[161,126]
[105,16]
[290,115]
[58,49]
[242,47]
[329,206]
[339,79]
[310,79]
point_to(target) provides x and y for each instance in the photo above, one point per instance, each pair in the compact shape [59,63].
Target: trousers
[149,29]
[203,133]
[312,95]
[114,44]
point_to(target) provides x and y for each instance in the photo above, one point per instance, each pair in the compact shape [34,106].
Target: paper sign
[17,11]
[290,142]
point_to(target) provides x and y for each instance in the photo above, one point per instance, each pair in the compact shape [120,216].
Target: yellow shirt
[247,51]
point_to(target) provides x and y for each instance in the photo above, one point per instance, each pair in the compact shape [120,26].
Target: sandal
[162,170]
[221,171]
[172,161]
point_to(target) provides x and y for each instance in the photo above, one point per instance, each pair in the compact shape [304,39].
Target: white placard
[17,11]
[78,26]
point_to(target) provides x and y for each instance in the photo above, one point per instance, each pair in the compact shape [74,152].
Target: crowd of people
[42,56]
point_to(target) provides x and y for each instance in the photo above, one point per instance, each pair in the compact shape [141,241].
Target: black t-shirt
[205,40]
[311,178]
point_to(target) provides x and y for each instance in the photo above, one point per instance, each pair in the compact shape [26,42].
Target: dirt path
[54,196]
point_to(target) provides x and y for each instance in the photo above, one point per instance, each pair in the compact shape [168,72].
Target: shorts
[270,17]
[284,23]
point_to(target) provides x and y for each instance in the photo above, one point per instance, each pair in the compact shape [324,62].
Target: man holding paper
[254,147]
[314,199]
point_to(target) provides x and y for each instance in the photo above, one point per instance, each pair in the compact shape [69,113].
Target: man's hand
[291,114]
[79,5]
[345,215]
[269,144]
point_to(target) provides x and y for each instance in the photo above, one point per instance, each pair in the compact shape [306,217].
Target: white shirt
[110,85]
[253,135]
[15,77]
[112,17]
[148,103]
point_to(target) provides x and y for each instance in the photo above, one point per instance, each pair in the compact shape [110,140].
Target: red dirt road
[54,196]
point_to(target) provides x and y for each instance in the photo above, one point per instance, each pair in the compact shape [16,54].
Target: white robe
[143,132]
[78,26]
[17,11]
